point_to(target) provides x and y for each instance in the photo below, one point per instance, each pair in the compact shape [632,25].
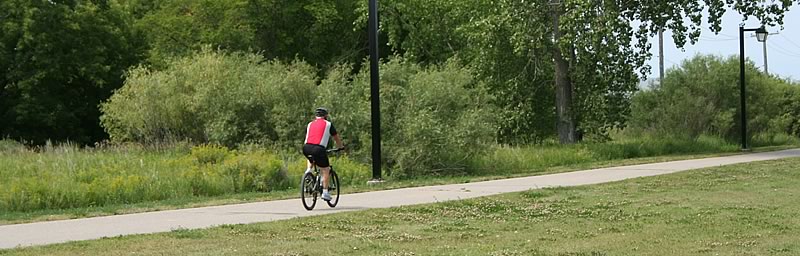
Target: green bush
[702,97]
[213,97]
[434,119]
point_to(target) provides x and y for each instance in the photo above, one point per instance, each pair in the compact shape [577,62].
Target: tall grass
[68,177]
[530,159]
[62,177]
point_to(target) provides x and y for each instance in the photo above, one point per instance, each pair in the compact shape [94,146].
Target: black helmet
[320,112]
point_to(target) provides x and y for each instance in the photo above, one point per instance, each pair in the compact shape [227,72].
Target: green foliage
[180,28]
[11,146]
[214,97]
[789,120]
[501,160]
[58,61]
[320,32]
[509,45]
[63,177]
[702,97]
[772,139]
[484,37]
[433,119]
[509,42]
[257,171]
[210,154]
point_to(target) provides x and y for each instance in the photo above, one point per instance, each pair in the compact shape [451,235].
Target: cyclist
[318,134]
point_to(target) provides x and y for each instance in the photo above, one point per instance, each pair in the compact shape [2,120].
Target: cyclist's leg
[325,167]
[309,152]
[309,165]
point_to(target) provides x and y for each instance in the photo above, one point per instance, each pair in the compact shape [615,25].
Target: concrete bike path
[51,232]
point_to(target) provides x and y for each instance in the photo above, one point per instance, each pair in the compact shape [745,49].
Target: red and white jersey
[319,132]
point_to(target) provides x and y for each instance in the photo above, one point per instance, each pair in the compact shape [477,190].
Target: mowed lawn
[748,209]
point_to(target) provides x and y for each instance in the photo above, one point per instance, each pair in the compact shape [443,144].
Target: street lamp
[761,35]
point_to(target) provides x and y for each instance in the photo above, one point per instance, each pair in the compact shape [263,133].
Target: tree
[564,87]
[480,35]
[320,32]
[511,45]
[59,60]
[605,31]
[179,28]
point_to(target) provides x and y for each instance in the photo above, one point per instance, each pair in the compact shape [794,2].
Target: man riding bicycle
[318,134]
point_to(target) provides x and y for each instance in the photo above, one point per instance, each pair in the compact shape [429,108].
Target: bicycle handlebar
[333,150]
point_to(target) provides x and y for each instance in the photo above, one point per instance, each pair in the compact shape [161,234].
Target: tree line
[550,69]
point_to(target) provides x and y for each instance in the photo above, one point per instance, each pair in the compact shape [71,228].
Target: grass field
[746,209]
[67,182]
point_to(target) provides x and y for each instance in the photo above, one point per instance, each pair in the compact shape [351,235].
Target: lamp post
[761,35]
[374,91]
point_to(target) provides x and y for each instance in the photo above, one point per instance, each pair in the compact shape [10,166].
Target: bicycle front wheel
[307,192]
[333,188]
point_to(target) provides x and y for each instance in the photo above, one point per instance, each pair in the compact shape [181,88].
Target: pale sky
[783,49]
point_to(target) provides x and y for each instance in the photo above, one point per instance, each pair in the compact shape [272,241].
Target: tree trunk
[566,123]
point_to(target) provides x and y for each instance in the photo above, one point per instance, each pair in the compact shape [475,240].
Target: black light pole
[761,35]
[374,92]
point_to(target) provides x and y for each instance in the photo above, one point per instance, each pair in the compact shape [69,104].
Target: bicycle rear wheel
[307,192]
[333,188]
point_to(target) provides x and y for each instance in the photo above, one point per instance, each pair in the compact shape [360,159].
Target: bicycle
[311,186]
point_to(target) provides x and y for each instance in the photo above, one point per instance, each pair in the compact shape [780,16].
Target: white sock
[308,170]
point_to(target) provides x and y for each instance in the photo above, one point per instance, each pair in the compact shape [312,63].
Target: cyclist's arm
[338,140]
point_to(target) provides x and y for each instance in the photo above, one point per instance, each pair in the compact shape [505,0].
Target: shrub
[433,118]
[210,154]
[213,97]
[702,97]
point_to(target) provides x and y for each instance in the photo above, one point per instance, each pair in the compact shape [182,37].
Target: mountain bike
[311,186]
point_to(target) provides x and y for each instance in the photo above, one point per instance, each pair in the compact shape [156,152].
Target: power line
[790,41]
[715,39]
[728,36]
[676,64]
[783,51]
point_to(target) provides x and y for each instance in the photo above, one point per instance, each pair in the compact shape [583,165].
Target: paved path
[92,228]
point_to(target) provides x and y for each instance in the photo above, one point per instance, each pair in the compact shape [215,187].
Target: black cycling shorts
[316,154]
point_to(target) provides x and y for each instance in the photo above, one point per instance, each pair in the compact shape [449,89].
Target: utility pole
[766,66]
[661,56]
